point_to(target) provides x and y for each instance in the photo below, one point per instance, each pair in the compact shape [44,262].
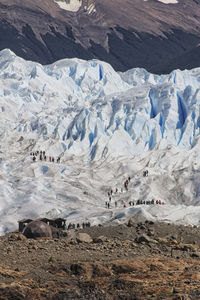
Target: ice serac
[105,125]
[86,107]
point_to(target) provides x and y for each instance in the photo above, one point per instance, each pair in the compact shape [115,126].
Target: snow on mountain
[105,126]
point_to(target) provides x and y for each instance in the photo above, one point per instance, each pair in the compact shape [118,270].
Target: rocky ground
[140,261]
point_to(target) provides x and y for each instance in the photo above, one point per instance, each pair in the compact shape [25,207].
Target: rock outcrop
[150,34]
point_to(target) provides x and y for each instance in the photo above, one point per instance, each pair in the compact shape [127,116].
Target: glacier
[105,126]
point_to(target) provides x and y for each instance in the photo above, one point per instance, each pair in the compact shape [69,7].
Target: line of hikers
[74,226]
[42,156]
[111,192]
[138,202]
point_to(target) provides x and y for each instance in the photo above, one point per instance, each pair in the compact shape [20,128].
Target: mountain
[105,126]
[159,36]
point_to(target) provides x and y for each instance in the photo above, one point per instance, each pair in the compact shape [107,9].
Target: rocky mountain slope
[145,261]
[150,34]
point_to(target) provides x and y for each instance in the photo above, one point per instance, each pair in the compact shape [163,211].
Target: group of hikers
[42,156]
[131,203]
[74,226]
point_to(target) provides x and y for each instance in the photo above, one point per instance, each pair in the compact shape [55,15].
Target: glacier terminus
[104,126]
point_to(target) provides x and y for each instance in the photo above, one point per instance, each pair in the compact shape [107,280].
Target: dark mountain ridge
[148,34]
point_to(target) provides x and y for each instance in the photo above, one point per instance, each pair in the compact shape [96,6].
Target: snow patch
[70,5]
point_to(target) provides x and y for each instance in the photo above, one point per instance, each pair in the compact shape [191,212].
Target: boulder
[37,229]
[16,237]
[83,238]
[100,239]
[131,222]
[55,232]
[145,239]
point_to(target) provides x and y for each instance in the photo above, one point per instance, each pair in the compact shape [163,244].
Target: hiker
[110,199]
[124,205]
[77,226]
[125,186]
[116,191]
[129,178]
[45,158]
[108,194]
[83,225]
[115,203]
[58,159]
[52,159]
[108,205]
[111,192]
[43,153]
[34,158]
[40,156]
[130,203]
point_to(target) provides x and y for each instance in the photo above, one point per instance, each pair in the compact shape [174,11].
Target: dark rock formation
[126,34]
[37,229]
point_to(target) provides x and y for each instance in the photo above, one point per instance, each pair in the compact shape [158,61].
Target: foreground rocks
[118,262]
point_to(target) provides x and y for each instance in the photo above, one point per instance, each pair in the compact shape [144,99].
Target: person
[125,186]
[129,178]
[108,205]
[116,190]
[124,205]
[115,203]
[34,158]
[52,159]
[40,156]
[110,199]
[45,158]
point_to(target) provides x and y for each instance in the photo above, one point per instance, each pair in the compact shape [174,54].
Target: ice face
[91,116]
